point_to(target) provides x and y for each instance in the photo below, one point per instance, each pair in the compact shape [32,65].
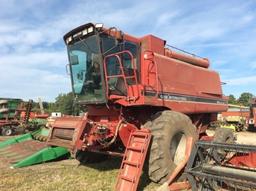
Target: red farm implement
[145,100]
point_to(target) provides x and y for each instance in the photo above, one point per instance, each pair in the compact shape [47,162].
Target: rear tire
[222,135]
[169,130]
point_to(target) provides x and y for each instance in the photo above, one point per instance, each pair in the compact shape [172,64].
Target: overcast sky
[33,55]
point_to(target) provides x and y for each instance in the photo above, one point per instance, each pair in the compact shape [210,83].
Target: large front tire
[170,130]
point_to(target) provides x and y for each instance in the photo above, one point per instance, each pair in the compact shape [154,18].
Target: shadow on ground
[114,163]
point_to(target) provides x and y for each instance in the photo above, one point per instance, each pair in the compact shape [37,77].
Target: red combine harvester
[145,102]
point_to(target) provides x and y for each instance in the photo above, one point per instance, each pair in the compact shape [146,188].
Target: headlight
[84,32]
[77,34]
[90,29]
[69,39]
[98,25]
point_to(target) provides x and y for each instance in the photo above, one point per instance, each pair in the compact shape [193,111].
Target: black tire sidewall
[223,134]
[164,126]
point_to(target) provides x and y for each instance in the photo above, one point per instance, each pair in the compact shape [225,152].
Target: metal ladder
[133,160]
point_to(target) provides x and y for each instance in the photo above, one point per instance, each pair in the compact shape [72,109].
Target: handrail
[153,62]
[117,55]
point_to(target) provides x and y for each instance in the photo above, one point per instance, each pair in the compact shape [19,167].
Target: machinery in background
[8,108]
[252,117]
[17,117]
[29,149]
[236,117]
[8,115]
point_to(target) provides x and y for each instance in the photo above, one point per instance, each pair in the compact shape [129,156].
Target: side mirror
[68,69]
[116,33]
[74,60]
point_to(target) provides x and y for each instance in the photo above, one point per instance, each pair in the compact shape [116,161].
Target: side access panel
[66,131]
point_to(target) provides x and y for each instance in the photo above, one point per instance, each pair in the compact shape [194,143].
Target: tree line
[244,99]
[65,104]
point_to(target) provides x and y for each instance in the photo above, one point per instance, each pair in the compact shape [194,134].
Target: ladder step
[135,149]
[133,160]
[138,141]
[129,77]
[119,76]
[131,163]
[140,134]
[127,178]
[115,76]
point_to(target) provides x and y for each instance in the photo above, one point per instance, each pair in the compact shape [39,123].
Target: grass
[66,175]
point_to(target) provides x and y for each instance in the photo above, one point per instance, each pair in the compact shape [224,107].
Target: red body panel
[248,160]
[245,114]
[183,82]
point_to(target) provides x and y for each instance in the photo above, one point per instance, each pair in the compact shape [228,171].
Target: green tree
[232,99]
[63,103]
[245,98]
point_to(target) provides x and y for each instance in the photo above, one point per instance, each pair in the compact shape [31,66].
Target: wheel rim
[8,132]
[178,147]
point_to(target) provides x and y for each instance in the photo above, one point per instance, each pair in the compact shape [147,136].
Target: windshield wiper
[84,43]
[112,48]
